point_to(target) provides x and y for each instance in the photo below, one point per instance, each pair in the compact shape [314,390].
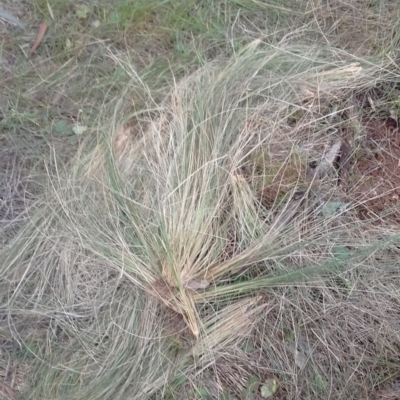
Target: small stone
[95,24]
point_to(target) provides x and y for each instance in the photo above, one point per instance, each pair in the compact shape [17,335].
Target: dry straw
[163,218]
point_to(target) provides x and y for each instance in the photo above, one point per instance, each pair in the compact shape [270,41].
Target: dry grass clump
[149,262]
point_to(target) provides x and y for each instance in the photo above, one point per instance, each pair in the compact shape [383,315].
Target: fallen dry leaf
[196,284]
[39,37]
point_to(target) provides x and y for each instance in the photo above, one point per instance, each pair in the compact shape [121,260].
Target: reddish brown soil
[369,174]
[375,177]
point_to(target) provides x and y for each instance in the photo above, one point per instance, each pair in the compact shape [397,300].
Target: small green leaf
[332,207]
[79,129]
[251,389]
[119,74]
[202,394]
[82,11]
[114,17]
[61,127]
[340,252]
[319,383]
[247,347]
[269,388]
[289,336]
[179,381]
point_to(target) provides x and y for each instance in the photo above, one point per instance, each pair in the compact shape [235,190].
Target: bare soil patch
[376,172]
[368,172]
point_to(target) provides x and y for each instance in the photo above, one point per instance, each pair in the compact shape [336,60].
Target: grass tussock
[153,257]
[206,234]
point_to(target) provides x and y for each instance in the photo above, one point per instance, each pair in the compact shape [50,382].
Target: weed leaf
[269,388]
